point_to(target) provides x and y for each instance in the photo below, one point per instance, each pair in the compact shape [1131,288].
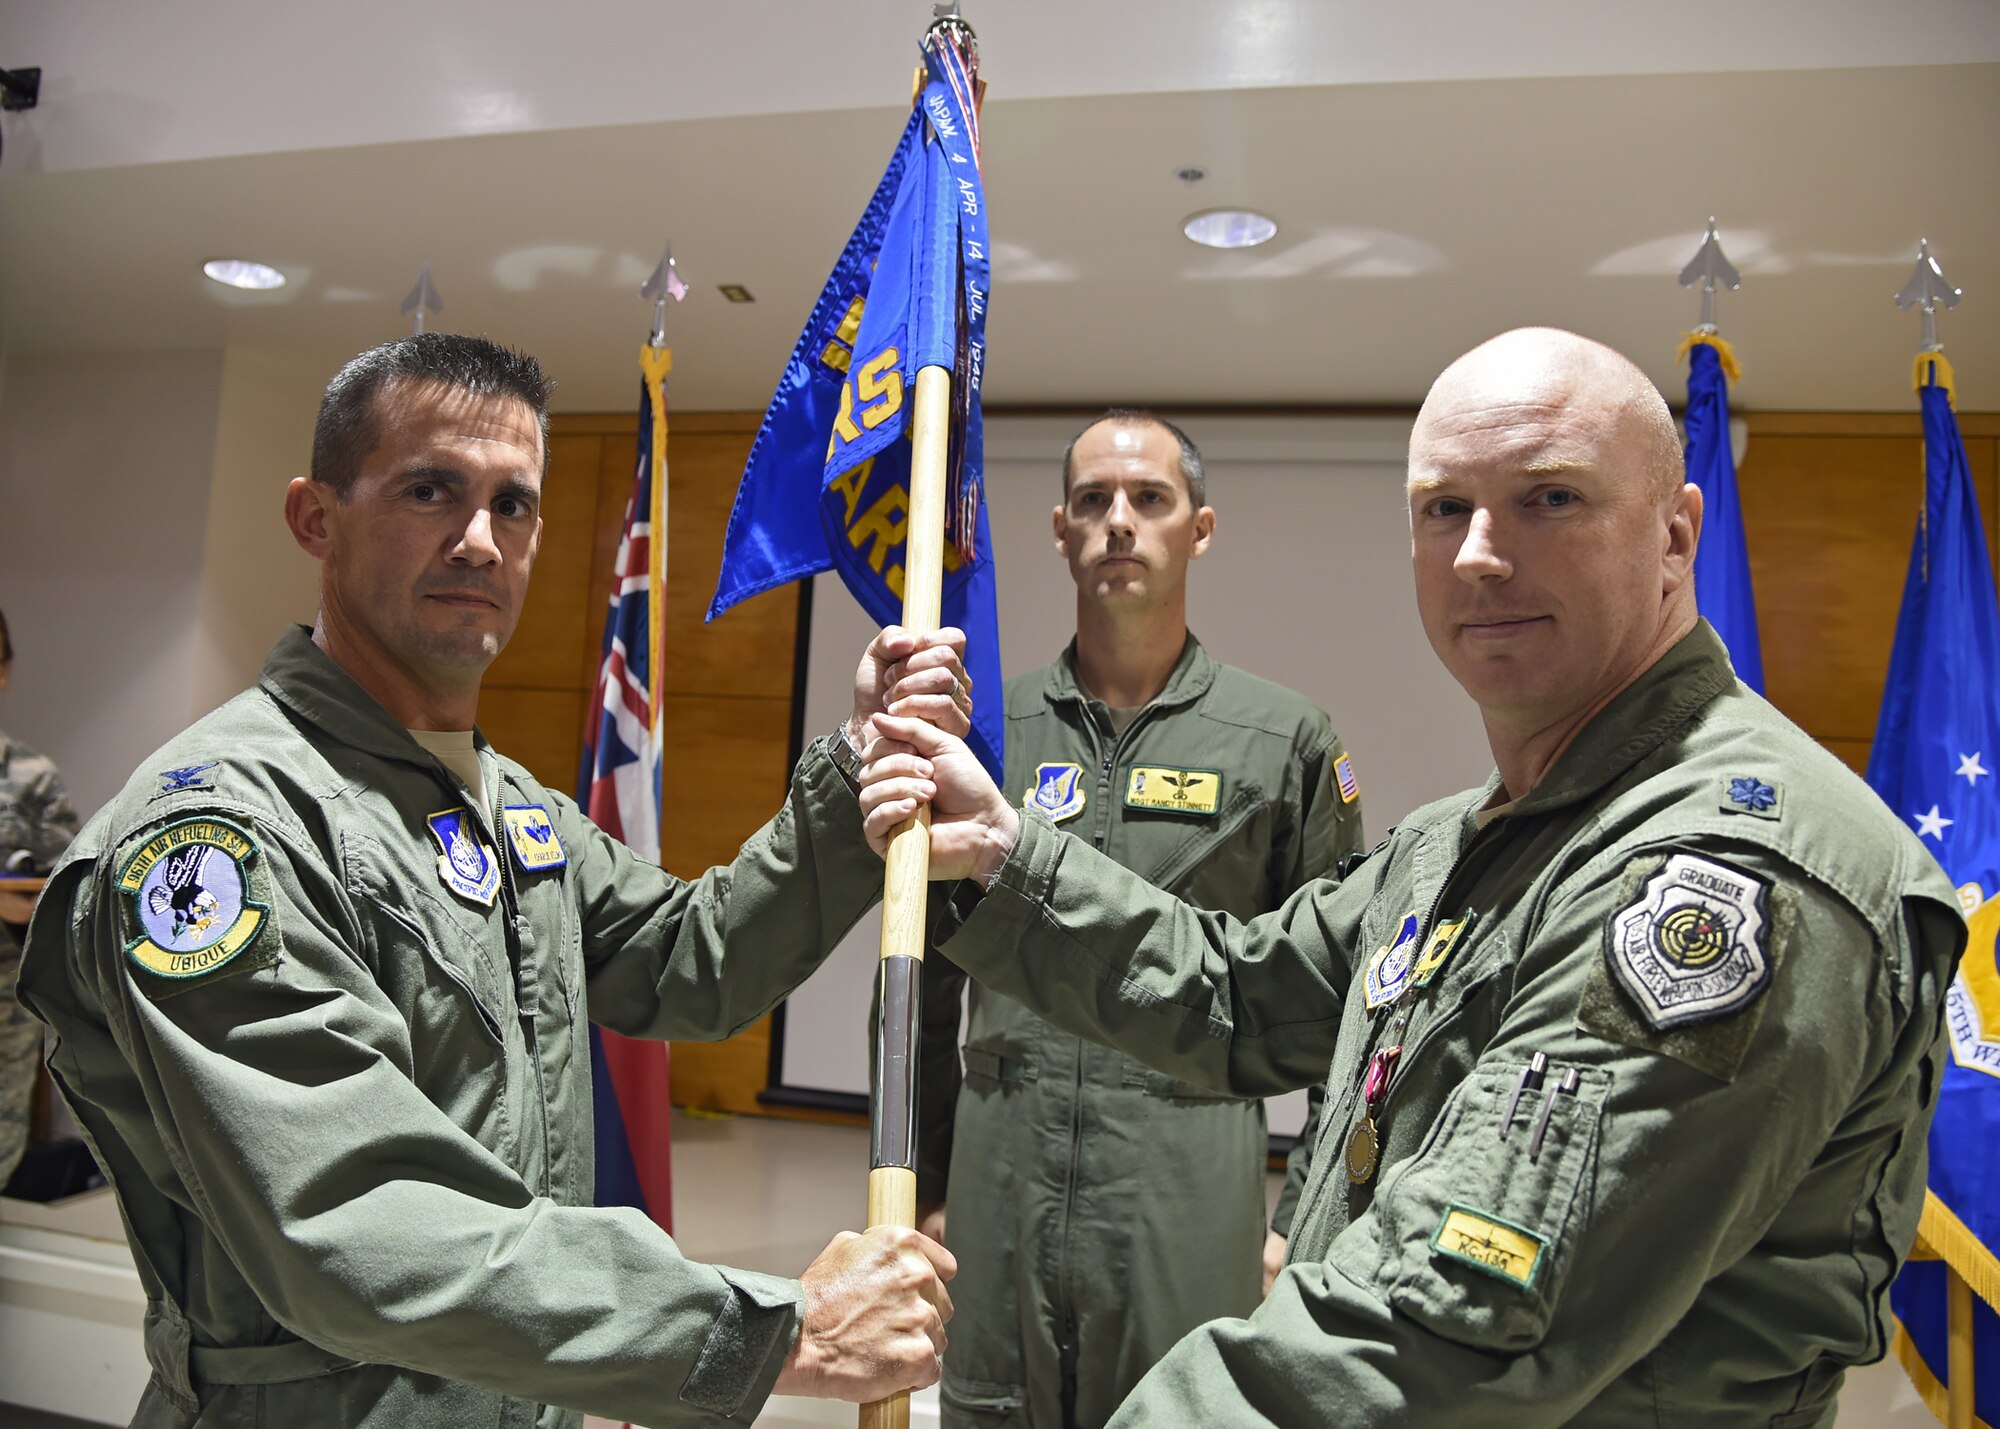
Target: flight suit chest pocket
[440,975]
[1475,1232]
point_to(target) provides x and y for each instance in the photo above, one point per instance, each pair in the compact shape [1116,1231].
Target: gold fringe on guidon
[1959,1248]
[1934,368]
[1724,353]
[1928,1386]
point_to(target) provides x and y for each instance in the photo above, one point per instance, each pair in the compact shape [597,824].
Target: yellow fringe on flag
[1959,1248]
[1723,352]
[656,363]
[1928,1386]
[1934,369]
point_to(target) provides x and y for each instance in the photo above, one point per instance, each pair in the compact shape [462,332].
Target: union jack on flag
[619,788]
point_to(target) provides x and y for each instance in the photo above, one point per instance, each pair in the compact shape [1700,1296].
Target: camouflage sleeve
[56,821]
[1507,1282]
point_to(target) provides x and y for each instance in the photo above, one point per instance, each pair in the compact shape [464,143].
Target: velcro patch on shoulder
[197,905]
[1687,959]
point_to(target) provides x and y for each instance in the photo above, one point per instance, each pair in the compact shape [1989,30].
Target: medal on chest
[466,865]
[1393,971]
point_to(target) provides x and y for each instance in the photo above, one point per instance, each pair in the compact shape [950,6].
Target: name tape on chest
[1173,791]
[532,835]
[1692,945]
[466,865]
[1057,793]
[190,891]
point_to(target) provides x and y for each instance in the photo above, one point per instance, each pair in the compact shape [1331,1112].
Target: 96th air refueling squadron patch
[190,887]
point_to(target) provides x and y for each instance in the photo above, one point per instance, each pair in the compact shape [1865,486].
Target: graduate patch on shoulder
[1691,946]
[533,837]
[1173,791]
[191,887]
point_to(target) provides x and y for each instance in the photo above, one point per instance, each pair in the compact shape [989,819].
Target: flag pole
[892,1175]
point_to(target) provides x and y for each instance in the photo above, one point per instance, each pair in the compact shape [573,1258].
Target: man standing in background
[36,825]
[1100,1210]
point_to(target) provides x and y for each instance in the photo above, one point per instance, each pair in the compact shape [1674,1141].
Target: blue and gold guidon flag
[827,485]
[1936,750]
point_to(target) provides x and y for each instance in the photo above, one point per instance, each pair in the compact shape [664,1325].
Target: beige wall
[105,464]
[254,578]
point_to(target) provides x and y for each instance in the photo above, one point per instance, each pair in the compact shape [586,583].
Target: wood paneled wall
[1830,504]
[728,685]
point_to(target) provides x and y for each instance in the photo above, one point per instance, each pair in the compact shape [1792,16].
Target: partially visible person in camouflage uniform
[36,825]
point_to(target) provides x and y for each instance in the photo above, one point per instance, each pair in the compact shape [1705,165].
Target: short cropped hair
[348,430]
[1192,471]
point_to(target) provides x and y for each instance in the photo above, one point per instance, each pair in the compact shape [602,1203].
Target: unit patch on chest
[1057,793]
[1692,945]
[190,886]
[1388,971]
[466,865]
[1173,791]
[532,835]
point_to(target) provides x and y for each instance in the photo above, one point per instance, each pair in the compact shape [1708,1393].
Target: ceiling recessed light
[1230,228]
[242,273]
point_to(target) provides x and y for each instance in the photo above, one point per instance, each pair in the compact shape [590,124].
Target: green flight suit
[354,1155]
[1101,1210]
[1733,958]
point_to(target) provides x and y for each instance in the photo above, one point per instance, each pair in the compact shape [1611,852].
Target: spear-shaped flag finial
[1927,288]
[1708,267]
[664,284]
[423,296]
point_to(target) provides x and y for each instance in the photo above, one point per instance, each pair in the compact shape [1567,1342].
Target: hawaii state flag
[619,787]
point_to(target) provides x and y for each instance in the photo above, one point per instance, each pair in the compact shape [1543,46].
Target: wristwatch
[846,758]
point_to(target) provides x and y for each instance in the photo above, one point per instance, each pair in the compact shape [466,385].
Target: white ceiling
[1439,169]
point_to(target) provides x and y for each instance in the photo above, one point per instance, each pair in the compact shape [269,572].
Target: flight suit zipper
[1107,761]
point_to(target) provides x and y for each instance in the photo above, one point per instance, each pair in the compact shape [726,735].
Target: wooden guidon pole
[1958,1386]
[892,1174]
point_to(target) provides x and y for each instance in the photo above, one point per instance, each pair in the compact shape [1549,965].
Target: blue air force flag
[827,484]
[1935,752]
[1722,560]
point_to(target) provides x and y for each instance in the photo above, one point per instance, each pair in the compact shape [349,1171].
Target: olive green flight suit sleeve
[1675,1155]
[1246,1008]
[702,960]
[1330,834]
[287,1100]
